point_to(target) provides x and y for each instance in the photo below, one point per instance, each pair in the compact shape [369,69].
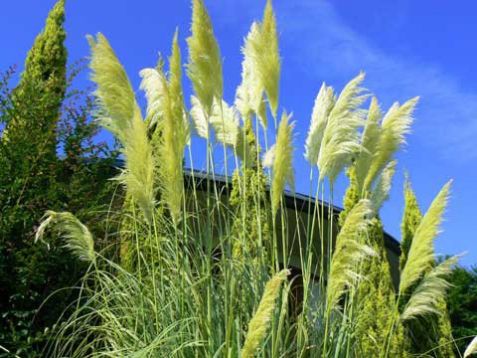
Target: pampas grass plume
[258,325]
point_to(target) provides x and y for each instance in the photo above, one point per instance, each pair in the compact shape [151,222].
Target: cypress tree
[251,227]
[375,294]
[28,186]
[45,76]
[410,221]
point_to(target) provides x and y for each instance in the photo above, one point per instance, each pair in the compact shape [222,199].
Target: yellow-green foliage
[445,338]
[45,74]
[205,65]
[251,227]
[411,218]
[376,305]
[120,114]
[47,58]
[258,325]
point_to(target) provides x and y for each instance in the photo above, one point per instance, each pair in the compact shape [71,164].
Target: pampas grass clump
[193,264]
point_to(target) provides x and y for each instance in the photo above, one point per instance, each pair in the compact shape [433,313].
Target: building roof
[295,201]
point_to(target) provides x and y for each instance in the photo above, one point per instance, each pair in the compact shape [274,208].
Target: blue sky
[407,48]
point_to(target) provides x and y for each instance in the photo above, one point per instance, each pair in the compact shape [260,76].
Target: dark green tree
[35,119]
[462,305]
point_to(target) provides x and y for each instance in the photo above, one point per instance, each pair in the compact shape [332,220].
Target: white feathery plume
[396,124]
[369,142]
[249,95]
[153,87]
[319,119]
[269,157]
[381,190]
[225,121]
[340,140]
[201,125]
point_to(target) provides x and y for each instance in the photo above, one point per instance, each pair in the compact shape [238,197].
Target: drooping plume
[79,239]
[426,297]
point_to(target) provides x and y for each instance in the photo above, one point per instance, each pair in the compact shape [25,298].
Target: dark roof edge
[296,201]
